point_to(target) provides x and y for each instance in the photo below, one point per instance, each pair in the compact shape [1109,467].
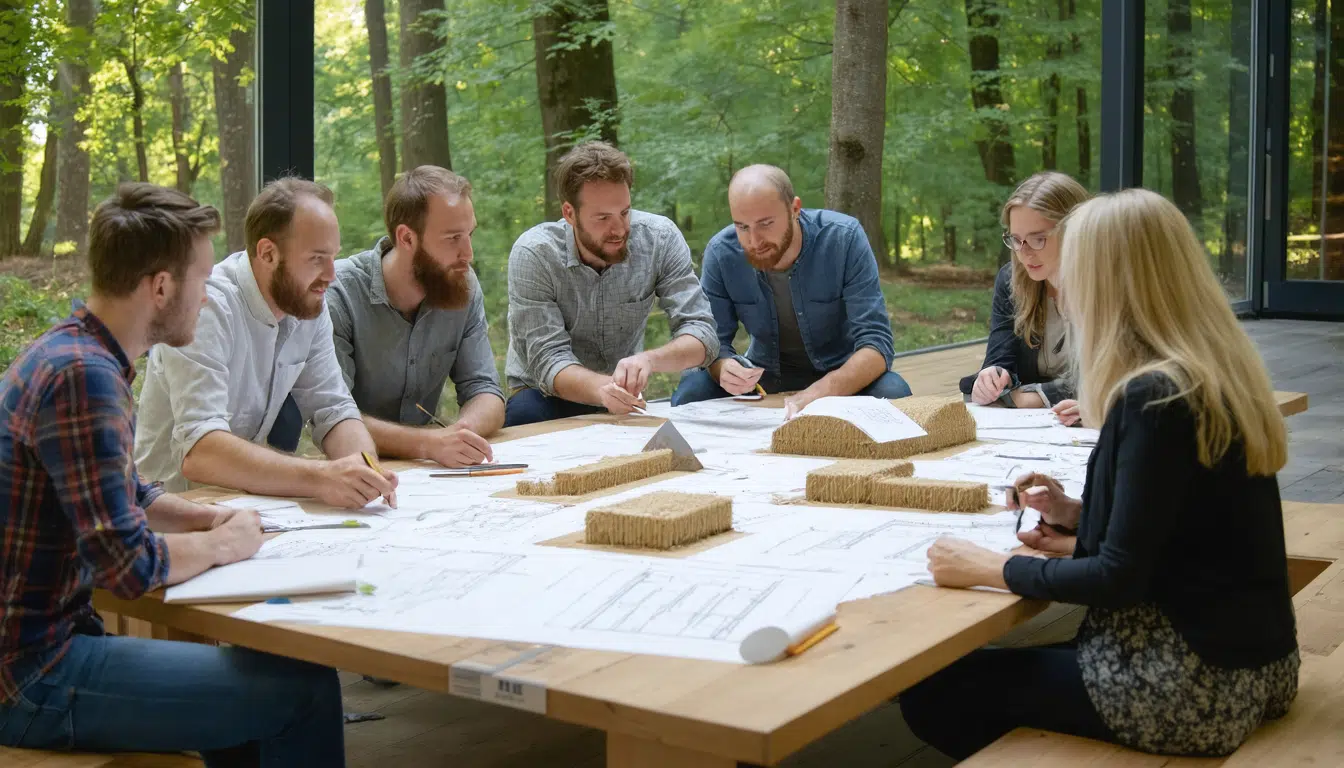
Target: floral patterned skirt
[1157,695]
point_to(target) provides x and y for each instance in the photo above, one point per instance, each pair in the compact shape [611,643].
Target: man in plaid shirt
[75,515]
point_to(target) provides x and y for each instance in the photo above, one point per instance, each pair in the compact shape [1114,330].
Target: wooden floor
[426,729]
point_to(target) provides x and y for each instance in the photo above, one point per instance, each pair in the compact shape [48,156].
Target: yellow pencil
[816,637]
[431,416]
[372,462]
[760,389]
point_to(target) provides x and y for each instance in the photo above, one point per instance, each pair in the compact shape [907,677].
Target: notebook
[253,580]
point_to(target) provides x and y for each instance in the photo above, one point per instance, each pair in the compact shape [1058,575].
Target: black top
[1203,545]
[1011,352]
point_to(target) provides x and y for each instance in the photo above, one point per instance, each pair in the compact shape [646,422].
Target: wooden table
[657,711]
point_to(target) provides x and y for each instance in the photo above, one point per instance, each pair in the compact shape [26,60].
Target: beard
[768,255]
[175,325]
[294,299]
[596,248]
[444,288]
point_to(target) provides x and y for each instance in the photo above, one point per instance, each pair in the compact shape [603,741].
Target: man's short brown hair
[270,214]
[591,161]
[142,230]
[408,199]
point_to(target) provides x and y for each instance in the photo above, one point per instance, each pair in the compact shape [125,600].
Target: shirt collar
[95,326]
[247,283]
[377,284]
[571,246]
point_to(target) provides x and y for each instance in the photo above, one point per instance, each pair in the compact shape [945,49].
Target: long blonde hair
[1142,299]
[1053,195]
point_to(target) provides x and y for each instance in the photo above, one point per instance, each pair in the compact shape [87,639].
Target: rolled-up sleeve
[682,298]
[83,437]
[474,371]
[320,391]
[196,378]
[342,335]
[864,303]
[720,303]
[536,325]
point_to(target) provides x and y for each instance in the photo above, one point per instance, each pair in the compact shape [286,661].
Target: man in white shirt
[264,334]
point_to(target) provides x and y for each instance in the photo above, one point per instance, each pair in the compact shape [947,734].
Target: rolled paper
[772,643]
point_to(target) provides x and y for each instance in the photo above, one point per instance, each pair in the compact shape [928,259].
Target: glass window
[1316,142]
[1197,123]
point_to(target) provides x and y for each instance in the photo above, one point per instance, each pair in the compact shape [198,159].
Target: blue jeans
[235,706]
[288,427]
[697,384]
[979,698]
[528,406]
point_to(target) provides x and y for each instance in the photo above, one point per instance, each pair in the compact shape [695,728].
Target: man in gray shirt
[409,314]
[264,333]
[580,291]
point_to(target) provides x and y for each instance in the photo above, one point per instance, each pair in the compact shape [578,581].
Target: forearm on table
[190,554]
[684,351]
[398,441]
[347,438]
[861,369]
[170,513]
[482,414]
[579,385]
[226,460]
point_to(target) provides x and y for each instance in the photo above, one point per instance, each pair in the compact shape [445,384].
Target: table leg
[632,752]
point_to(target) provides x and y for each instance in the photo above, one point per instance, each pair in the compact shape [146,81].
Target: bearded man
[580,292]
[409,314]
[804,284]
[207,408]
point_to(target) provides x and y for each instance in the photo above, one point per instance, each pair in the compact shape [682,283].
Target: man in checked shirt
[580,291]
[75,515]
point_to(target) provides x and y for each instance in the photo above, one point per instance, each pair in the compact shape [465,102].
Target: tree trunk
[1232,260]
[949,236]
[1082,126]
[1334,171]
[1050,87]
[375,18]
[233,114]
[181,125]
[1185,191]
[14,32]
[132,66]
[424,105]
[46,194]
[923,240]
[996,149]
[576,82]
[858,115]
[72,207]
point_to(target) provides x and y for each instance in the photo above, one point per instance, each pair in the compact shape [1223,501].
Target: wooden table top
[660,710]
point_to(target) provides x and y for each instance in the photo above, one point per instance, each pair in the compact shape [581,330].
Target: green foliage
[25,311]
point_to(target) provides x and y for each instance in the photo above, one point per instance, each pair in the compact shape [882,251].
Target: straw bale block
[659,520]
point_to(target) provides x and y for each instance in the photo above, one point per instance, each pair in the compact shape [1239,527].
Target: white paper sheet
[996,417]
[576,599]
[1056,435]
[878,418]
[263,579]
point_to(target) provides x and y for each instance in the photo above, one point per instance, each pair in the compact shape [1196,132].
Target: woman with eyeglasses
[1189,642]
[1026,360]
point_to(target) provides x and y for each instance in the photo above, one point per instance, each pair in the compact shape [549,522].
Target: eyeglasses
[1035,242]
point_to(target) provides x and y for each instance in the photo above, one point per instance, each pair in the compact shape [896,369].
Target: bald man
[804,284]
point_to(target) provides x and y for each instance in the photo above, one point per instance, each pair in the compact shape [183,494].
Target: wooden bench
[40,758]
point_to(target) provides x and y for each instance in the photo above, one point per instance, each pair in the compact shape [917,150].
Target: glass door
[1304,266]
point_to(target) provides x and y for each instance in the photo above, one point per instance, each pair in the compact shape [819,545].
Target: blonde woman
[1026,359]
[1189,641]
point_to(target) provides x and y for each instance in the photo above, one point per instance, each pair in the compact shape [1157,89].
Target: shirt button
[412,361]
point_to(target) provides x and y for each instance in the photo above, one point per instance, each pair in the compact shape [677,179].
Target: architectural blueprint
[455,559]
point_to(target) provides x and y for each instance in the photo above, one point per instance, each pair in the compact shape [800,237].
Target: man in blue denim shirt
[804,284]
